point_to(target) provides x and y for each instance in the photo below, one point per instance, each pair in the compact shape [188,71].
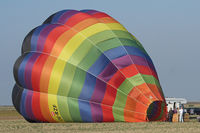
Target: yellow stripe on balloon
[56,74]
[53,108]
[52,89]
[115,26]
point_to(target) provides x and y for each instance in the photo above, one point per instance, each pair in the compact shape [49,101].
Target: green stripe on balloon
[64,108]
[75,90]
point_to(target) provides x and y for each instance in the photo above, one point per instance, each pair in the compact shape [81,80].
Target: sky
[169,30]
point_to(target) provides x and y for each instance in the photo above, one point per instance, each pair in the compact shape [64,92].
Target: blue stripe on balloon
[99,65]
[85,111]
[58,15]
[115,53]
[86,94]
[23,103]
[89,11]
[35,36]
[88,87]
[131,50]
[126,50]
[21,70]
[85,10]
[28,105]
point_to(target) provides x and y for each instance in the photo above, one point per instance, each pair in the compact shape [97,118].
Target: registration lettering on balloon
[84,66]
[56,113]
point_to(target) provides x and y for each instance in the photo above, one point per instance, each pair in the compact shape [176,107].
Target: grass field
[12,122]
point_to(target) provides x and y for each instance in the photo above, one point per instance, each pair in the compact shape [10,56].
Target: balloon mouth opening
[155,110]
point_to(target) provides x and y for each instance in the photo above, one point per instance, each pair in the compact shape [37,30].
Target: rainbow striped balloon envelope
[84,66]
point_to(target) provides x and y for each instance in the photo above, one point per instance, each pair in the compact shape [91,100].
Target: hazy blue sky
[168,29]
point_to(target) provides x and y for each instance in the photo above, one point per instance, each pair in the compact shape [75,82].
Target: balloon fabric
[84,66]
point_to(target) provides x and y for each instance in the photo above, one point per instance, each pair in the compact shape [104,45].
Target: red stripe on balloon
[36,107]
[134,69]
[75,19]
[104,18]
[100,15]
[36,72]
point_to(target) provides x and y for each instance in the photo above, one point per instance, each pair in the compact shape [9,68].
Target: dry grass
[9,113]
[19,125]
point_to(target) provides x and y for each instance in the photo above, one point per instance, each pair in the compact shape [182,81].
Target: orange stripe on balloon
[135,93]
[133,105]
[44,83]
[146,90]
[108,20]
[131,109]
[77,18]
[45,107]
[156,91]
[46,73]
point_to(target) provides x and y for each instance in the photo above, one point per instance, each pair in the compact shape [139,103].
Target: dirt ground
[12,122]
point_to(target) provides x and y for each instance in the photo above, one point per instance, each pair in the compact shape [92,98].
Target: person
[175,110]
[170,115]
[191,111]
[181,114]
[178,114]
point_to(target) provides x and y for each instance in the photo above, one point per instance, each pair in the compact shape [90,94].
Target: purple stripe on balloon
[92,12]
[122,62]
[63,19]
[28,70]
[97,97]
[97,113]
[28,105]
[125,61]
[141,61]
[108,72]
[43,36]
[99,91]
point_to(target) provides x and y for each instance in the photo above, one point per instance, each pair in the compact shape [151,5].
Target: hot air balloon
[84,66]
